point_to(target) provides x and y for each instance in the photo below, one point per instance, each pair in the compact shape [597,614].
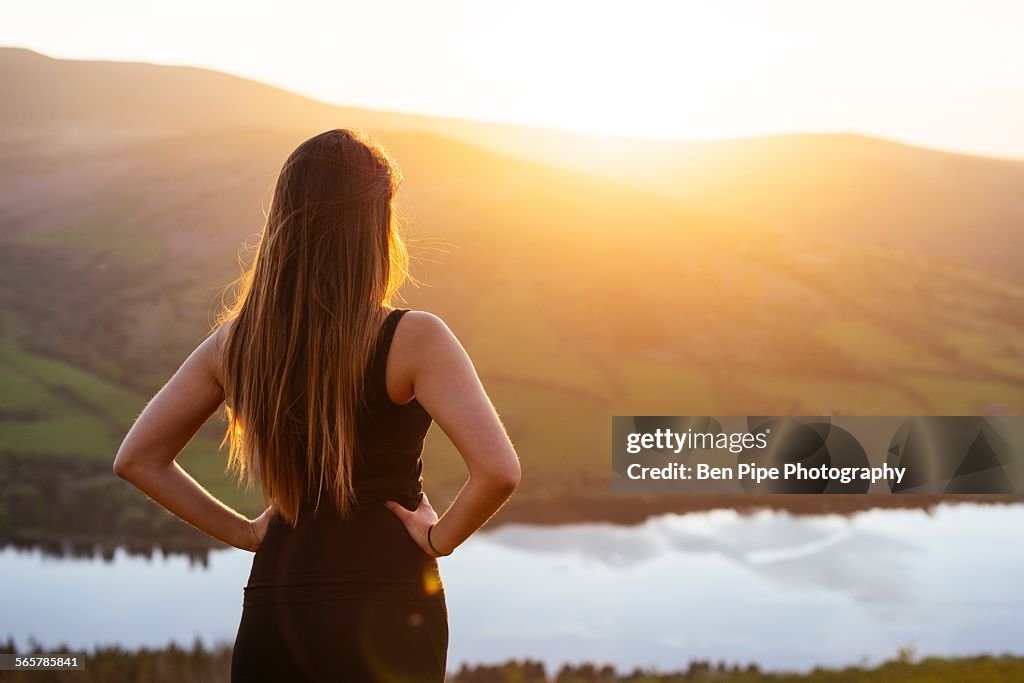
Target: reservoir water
[786,592]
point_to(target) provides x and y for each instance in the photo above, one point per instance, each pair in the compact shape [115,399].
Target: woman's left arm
[168,422]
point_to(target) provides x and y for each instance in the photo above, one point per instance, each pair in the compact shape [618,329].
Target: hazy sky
[940,74]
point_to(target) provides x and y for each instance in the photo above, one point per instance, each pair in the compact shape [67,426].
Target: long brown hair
[305,318]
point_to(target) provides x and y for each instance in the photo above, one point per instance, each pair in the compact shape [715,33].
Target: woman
[329,392]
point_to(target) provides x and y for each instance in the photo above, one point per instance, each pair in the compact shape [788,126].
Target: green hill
[727,278]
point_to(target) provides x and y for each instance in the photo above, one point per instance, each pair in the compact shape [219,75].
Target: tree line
[201,664]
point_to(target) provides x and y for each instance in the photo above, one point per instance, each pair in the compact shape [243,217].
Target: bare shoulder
[423,344]
[423,330]
[220,333]
[212,349]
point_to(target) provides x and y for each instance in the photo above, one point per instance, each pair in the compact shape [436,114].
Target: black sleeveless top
[370,553]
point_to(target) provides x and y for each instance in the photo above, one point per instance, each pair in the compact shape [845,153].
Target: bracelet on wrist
[431,544]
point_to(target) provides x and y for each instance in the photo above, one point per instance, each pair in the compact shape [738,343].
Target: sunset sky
[940,74]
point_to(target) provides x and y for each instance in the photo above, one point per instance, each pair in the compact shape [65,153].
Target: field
[792,275]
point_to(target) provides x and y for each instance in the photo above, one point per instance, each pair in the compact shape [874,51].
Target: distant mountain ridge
[587,276]
[846,187]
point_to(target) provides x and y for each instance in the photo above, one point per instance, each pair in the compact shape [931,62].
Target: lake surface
[783,591]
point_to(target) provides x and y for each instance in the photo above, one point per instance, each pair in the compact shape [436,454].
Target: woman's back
[367,558]
[304,340]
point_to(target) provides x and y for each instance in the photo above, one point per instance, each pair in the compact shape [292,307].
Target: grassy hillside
[848,187]
[580,295]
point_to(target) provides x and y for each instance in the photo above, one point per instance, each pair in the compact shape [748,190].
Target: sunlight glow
[941,74]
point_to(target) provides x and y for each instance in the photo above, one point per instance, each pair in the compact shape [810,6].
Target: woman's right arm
[446,384]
